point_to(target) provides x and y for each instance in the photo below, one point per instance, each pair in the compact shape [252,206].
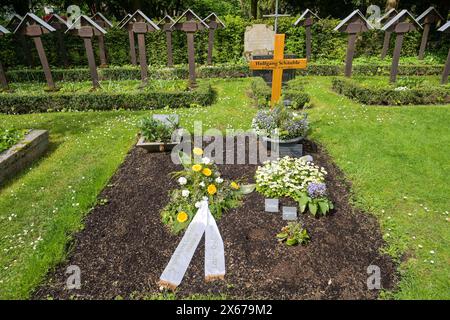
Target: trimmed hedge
[261,93]
[216,71]
[389,96]
[19,103]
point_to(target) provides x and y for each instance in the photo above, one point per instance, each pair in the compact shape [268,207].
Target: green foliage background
[229,44]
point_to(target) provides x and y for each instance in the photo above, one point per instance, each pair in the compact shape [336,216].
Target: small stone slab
[271,205]
[168,119]
[293,151]
[289,213]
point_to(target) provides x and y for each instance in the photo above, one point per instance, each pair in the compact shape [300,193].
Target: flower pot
[155,146]
[282,143]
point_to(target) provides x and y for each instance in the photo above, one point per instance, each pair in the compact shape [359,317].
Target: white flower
[219,180]
[201,184]
[185,193]
[206,160]
[198,204]
[182,181]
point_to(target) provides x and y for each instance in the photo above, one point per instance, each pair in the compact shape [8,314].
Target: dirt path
[124,247]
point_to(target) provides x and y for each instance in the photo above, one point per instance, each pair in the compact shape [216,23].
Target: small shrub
[9,137]
[293,234]
[154,130]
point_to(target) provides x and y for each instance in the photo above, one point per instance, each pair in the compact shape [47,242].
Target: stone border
[21,155]
[155,146]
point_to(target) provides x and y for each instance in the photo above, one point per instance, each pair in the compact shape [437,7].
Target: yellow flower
[212,189]
[182,217]
[197,151]
[207,172]
[197,167]
[234,186]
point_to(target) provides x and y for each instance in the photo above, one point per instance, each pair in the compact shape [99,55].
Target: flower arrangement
[154,130]
[199,178]
[298,179]
[293,234]
[281,122]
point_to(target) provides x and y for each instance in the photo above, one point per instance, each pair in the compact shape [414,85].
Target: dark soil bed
[124,247]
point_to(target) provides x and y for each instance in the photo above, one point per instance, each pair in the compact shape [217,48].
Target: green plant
[199,179]
[154,130]
[314,199]
[9,137]
[293,234]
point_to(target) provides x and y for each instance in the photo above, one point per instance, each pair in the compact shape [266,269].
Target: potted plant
[281,125]
[158,135]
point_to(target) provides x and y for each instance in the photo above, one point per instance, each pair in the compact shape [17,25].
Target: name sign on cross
[277,65]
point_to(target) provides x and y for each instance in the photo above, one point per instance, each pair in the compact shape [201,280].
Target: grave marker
[307,20]
[101,20]
[258,40]
[3,81]
[213,23]
[289,213]
[166,24]
[190,23]
[427,18]
[400,24]
[128,25]
[353,24]
[446,28]
[140,24]
[88,29]
[387,35]
[277,65]
[26,52]
[34,27]
[124,19]
[61,27]
[271,205]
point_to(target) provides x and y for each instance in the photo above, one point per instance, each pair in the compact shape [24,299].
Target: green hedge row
[229,44]
[261,93]
[15,103]
[390,96]
[216,71]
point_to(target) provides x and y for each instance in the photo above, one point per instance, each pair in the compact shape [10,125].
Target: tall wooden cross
[3,81]
[277,65]
[166,25]
[387,35]
[446,28]
[101,20]
[427,18]
[61,26]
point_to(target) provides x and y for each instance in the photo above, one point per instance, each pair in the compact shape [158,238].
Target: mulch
[124,247]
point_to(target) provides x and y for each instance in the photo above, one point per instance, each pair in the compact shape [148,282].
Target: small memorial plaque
[292,150]
[271,205]
[289,213]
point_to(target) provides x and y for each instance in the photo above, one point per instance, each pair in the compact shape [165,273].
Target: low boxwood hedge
[294,92]
[389,95]
[216,71]
[40,101]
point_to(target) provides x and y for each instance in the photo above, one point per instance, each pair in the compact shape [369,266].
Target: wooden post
[87,33]
[3,81]
[350,54]
[169,48]
[191,59]
[132,47]
[308,24]
[41,52]
[386,43]
[210,45]
[423,44]
[396,56]
[102,50]
[62,49]
[446,70]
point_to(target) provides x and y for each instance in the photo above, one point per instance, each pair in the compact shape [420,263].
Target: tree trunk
[254,9]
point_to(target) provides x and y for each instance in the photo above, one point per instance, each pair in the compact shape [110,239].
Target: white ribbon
[203,222]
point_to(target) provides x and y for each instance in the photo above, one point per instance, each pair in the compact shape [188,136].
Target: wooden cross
[101,20]
[307,20]
[128,24]
[213,23]
[277,65]
[387,35]
[402,23]
[166,24]
[34,27]
[3,81]
[427,18]
[446,28]
[60,25]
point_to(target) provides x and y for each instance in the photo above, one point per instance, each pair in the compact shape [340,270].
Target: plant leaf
[324,207]
[313,208]
[247,188]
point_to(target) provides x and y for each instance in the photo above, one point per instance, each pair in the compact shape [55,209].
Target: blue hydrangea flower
[317,190]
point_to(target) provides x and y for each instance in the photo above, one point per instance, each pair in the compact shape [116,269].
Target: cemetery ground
[396,159]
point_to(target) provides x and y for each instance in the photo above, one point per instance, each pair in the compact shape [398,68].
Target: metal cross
[276,15]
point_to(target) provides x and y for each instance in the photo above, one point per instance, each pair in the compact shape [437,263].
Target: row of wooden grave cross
[137,24]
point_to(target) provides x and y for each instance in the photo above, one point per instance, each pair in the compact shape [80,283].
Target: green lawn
[41,208]
[397,158]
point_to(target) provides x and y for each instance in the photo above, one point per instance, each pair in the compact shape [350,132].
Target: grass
[45,205]
[398,159]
